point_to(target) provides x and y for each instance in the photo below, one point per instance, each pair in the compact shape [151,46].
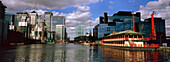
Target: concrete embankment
[166,49]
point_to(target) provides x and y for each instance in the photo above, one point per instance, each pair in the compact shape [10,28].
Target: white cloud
[160,4]
[79,16]
[16,5]
[162,9]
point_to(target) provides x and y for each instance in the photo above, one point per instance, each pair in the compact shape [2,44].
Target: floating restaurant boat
[128,40]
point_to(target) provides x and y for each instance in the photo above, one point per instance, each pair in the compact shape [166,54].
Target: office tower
[60,33]
[57,20]
[123,21]
[48,16]
[3,25]
[101,30]
[58,25]
[33,22]
[145,27]
[24,26]
[48,20]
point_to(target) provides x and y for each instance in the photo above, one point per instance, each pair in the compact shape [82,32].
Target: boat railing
[126,38]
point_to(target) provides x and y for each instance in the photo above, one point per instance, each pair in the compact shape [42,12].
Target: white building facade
[60,33]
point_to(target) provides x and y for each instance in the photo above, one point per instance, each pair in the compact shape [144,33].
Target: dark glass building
[3,25]
[145,27]
[11,18]
[123,21]
[101,30]
[120,21]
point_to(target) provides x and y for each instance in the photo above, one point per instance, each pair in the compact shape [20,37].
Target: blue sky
[113,6]
[86,11]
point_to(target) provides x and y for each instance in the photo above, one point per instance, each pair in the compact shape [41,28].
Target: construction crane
[153,35]
[133,22]
[141,28]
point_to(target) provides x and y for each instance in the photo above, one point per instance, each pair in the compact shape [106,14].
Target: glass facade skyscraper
[57,20]
[3,25]
[102,29]
[48,20]
[10,18]
[58,25]
[145,27]
[123,21]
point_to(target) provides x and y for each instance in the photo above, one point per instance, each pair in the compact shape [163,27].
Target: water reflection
[78,53]
[46,53]
[110,55]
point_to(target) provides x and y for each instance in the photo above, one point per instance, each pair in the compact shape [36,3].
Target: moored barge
[129,40]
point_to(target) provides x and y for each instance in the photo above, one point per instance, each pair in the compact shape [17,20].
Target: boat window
[126,36]
[130,36]
[139,36]
[121,36]
[135,36]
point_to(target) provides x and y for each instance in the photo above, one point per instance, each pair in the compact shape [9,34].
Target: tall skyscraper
[2,16]
[58,25]
[48,20]
[57,20]
[23,23]
[3,25]
[40,29]
[48,16]
[79,29]
[33,22]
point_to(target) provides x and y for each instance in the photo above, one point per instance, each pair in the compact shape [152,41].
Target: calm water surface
[77,53]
